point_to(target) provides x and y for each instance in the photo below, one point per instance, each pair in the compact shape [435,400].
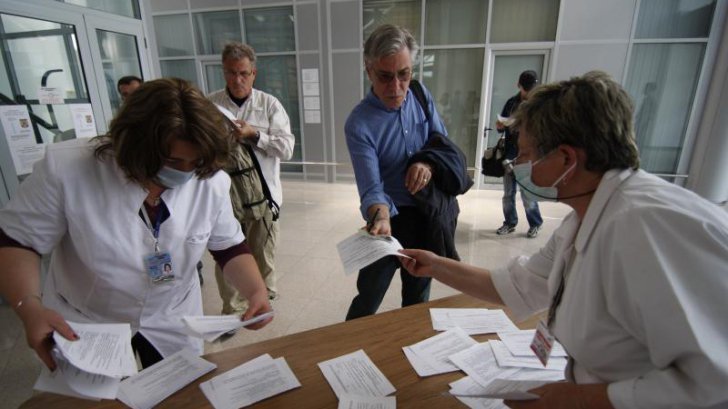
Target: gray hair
[237,51]
[387,40]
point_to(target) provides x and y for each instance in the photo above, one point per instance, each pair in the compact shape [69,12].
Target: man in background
[526,81]
[263,124]
[128,84]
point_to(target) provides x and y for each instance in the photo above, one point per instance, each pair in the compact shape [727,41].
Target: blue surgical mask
[522,173]
[171,178]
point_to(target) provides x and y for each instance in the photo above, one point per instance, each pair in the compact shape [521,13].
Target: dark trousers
[410,228]
[148,354]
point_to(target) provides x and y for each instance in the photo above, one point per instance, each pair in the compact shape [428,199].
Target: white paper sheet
[361,249]
[420,366]
[310,89]
[479,363]
[50,95]
[154,384]
[249,383]
[83,120]
[312,116]
[311,103]
[467,391]
[310,75]
[435,351]
[367,402]
[512,389]
[211,327]
[103,349]
[471,320]
[70,381]
[355,374]
[519,343]
[504,358]
[506,121]
[18,130]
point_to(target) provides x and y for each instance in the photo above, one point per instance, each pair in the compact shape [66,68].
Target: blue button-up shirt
[381,141]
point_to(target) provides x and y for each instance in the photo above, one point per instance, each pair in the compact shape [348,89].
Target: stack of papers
[211,327]
[488,382]
[357,382]
[157,382]
[432,356]
[506,359]
[471,320]
[250,382]
[519,343]
[361,249]
[92,366]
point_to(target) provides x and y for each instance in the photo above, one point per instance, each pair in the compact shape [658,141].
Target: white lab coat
[266,114]
[644,307]
[86,213]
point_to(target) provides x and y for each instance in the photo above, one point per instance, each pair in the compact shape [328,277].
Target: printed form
[355,374]
[361,249]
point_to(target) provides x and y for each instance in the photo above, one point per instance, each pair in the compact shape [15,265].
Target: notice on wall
[19,133]
[50,95]
[311,99]
[83,120]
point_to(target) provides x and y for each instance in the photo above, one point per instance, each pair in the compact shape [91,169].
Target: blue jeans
[373,281]
[533,215]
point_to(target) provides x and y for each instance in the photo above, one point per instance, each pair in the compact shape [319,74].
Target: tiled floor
[314,290]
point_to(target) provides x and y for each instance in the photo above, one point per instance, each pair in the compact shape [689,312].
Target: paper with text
[367,402]
[103,349]
[519,343]
[157,382]
[504,358]
[471,320]
[211,327]
[71,381]
[469,392]
[512,389]
[249,383]
[362,249]
[355,374]
[435,351]
[479,363]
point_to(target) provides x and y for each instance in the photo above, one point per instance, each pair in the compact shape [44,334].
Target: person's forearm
[19,275]
[243,274]
[469,279]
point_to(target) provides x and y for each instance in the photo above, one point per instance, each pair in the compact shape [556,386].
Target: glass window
[184,69]
[674,18]
[404,13]
[524,20]
[214,79]
[456,90]
[277,76]
[270,29]
[174,35]
[128,8]
[662,81]
[15,24]
[119,57]
[455,22]
[214,30]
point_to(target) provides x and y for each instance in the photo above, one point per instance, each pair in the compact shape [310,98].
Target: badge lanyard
[543,339]
[158,263]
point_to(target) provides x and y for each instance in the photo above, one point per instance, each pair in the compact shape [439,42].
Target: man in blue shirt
[382,132]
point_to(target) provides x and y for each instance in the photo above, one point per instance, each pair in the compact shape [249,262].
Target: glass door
[505,68]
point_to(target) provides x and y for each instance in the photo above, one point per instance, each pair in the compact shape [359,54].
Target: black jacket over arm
[437,200]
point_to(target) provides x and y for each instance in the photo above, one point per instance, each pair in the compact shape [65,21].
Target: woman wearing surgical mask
[125,218]
[634,279]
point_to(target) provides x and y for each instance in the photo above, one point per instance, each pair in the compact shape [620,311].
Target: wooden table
[381,336]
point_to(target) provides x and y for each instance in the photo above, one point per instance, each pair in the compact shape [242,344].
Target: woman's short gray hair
[387,40]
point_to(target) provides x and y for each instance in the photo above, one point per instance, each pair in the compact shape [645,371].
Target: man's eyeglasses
[387,77]
[244,74]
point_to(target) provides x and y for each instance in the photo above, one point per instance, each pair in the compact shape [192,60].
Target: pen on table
[371,221]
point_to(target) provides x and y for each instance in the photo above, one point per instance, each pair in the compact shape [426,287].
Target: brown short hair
[159,112]
[592,112]
[237,51]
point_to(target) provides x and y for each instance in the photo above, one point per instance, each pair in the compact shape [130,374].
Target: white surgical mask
[171,178]
[523,172]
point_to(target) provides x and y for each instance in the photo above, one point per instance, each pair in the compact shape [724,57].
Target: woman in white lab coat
[634,279]
[114,211]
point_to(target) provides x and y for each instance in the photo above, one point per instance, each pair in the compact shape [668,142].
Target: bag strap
[274,207]
[419,93]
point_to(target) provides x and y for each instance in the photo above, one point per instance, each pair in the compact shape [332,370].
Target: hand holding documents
[92,366]
[211,327]
[361,249]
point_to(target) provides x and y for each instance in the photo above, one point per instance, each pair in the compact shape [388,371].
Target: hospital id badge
[159,266]
[543,343]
